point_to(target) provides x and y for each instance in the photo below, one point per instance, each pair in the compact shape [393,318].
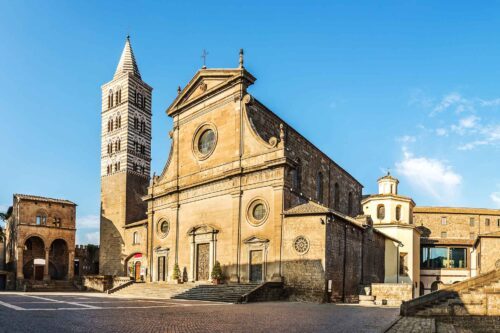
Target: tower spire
[127,63]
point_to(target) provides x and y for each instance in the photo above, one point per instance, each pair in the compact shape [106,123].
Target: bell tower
[125,158]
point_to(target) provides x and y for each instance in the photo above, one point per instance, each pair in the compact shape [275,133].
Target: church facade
[240,187]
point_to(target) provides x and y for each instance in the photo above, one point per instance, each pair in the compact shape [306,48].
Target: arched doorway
[435,285]
[34,258]
[136,267]
[58,260]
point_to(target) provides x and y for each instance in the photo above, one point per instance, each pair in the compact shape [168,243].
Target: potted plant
[217,276]
[177,274]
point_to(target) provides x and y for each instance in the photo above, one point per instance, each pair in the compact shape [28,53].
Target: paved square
[92,312]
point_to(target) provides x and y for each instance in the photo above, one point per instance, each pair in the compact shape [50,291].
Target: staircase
[51,286]
[230,293]
[479,296]
[153,290]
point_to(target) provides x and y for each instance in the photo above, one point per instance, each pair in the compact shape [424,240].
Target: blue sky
[406,85]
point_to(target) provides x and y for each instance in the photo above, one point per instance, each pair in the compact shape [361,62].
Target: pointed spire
[127,62]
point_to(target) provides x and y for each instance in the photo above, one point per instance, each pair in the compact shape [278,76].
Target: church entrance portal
[202,262]
[256,266]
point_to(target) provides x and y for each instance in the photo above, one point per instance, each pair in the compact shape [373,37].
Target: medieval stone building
[240,187]
[40,239]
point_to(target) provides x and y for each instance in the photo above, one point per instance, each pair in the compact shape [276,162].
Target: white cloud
[83,238]
[442,132]
[431,176]
[495,197]
[407,139]
[491,102]
[489,135]
[88,221]
[455,100]
[466,124]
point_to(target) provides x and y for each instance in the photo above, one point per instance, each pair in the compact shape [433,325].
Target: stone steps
[217,293]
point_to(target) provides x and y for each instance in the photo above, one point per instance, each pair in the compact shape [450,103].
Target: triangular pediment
[255,239]
[205,83]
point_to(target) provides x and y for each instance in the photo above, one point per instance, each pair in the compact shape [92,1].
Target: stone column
[71,264]
[193,259]
[19,263]
[46,276]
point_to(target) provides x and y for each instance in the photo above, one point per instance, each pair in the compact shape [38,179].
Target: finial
[204,56]
[128,37]
[178,90]
[241,58]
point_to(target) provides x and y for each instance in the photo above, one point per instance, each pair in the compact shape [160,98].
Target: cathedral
[240,187]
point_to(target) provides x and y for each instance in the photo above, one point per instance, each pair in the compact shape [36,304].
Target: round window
[301,245]
[206,142]
[257,212]
[163,228]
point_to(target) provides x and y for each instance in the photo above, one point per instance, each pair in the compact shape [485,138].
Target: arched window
[119,96]
[336,195]
[109,169]
[110,99]
[119,145]
[380,212]
[118,121]
[398,213]
[136,123]
[111,124]
[139,100]
[349,204]
[41,218]
[135,238]
[319,187]
[143,126]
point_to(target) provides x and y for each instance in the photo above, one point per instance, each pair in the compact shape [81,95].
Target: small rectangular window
[443,234]
[38,220]
[487,222]
[443,220]
[471,222]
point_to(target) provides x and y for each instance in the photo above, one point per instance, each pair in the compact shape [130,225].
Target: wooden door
[256,266]
[161,268]
[202,262]
[137,269]
[39,272]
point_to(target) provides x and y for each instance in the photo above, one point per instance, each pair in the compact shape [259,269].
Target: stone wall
[489,254]
[391,293]
[458,221]
[102,283]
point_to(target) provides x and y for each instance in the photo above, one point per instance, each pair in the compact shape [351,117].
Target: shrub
[217,272]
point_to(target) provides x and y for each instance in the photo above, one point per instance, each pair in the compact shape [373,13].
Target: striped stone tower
[125,158]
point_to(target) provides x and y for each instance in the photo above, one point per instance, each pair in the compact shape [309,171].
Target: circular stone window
[204,141]
[301,245]
[257,212]
[163,228]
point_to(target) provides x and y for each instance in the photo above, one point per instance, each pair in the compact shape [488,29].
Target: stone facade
[486,252]
[41,238]
[234,172]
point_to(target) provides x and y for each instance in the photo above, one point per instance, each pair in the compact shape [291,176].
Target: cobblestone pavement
[413,325]
[85,312]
